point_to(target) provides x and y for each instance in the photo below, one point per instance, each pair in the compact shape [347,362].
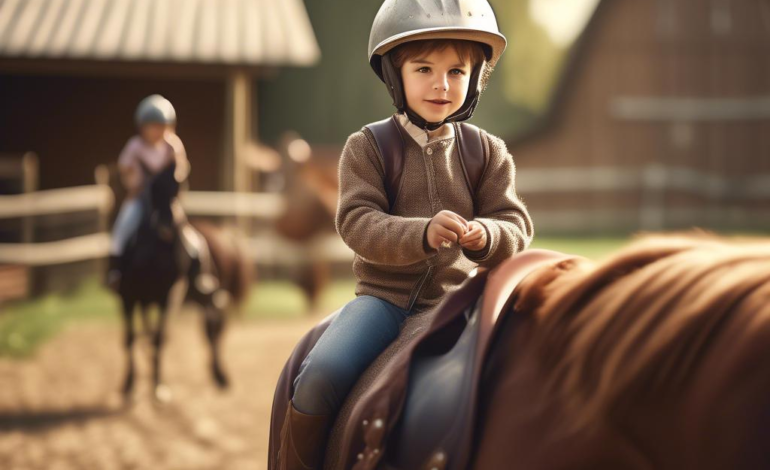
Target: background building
[661,120]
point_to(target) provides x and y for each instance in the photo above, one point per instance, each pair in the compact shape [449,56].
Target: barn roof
[216,32]
[650,107]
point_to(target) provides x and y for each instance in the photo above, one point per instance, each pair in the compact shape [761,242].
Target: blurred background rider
[154,148]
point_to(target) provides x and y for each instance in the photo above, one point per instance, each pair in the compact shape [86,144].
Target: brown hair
[469,52]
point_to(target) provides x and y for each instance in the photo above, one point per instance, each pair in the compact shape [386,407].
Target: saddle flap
[437,383]
[438,413]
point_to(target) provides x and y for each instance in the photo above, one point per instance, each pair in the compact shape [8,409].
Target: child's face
[436,85]
[152,132]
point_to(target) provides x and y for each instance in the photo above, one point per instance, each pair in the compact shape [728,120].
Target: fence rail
[267,248]
[264,247]
[80,248]
[223,204]
[657,177]
[56,201]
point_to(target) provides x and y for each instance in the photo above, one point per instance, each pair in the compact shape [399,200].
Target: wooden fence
[655,197]
[49,240]
[18,174]
[56,238]
[53,239]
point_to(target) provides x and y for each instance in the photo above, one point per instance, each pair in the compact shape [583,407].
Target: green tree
[338,96]
[532,62]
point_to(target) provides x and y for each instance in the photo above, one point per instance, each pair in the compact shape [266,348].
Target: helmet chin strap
[418,121]
[392,79]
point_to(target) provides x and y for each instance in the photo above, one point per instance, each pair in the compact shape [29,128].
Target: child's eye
[457,72]
[424,69]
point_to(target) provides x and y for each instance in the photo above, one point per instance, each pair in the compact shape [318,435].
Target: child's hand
[445,228]
[475,239]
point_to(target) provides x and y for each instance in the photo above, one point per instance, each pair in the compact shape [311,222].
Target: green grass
[285,300]
[274,300]
[24,326]
[337,294]
[278,299]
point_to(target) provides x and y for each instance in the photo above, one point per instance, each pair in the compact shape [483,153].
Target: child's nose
[441,84]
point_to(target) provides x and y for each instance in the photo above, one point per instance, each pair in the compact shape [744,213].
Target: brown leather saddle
[432,418]
[421,410]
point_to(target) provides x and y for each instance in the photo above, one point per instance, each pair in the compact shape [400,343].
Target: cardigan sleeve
[499,209]
[362,218]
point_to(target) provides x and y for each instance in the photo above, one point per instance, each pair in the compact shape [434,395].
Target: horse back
[702,401]
[230,259]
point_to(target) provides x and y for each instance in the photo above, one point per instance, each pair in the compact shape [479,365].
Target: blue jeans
[360,332]
[129,218]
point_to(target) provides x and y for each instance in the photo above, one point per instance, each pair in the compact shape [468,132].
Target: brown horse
[656,358]
[156,260]
[311,202]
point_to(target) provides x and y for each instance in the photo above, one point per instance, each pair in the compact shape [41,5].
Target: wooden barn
[661,120]
[71,75]
[73,71]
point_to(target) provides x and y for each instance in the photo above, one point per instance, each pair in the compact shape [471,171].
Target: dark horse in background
[156,261]
[655,358]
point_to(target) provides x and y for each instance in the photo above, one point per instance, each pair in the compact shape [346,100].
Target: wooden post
[30,182]
[652,213]
[235,170]
[102,178]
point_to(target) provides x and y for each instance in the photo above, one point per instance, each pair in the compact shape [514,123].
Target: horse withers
[159,269]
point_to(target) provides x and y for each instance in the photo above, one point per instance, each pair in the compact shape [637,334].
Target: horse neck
[147,234]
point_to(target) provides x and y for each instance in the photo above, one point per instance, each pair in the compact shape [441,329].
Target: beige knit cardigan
[392,258]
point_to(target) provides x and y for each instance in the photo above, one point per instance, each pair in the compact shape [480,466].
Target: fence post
[102,178]
[652,213]
[30,180]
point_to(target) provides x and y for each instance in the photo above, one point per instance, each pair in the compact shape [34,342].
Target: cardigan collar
[423,137]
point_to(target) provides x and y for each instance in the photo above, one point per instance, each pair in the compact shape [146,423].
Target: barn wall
[670,50]
[77,123]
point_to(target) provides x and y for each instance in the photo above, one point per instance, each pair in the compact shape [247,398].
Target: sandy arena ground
[60,410]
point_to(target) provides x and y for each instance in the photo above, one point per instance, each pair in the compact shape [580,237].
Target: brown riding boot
[303,439]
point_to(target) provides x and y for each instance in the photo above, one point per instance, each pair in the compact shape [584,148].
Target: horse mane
[642,323]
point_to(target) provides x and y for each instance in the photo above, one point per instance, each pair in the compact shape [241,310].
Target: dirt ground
[60,410]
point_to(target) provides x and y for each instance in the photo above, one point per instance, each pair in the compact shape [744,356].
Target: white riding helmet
[155,108]
[400,21]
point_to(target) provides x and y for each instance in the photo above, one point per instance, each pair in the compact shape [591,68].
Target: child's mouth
[438,102]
